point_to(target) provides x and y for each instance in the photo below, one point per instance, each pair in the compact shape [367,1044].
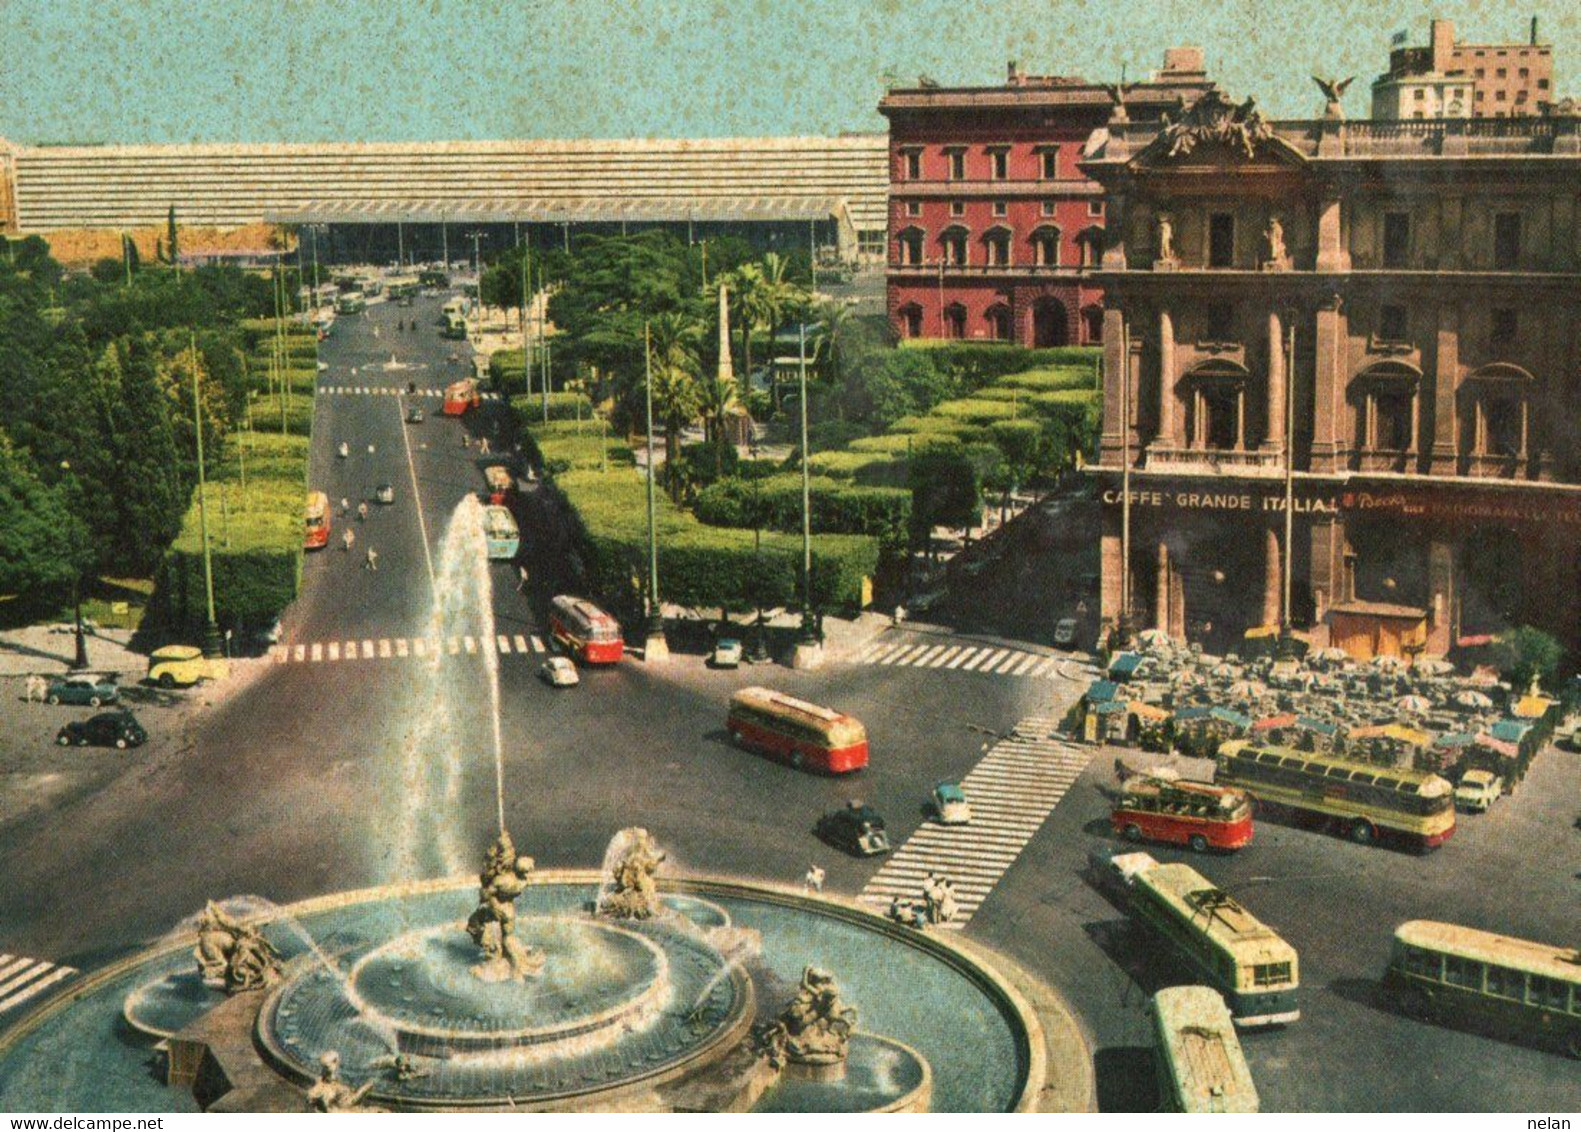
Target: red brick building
[993,228]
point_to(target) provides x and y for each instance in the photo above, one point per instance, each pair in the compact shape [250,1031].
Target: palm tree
[746,303]
[834,338]
[677,396]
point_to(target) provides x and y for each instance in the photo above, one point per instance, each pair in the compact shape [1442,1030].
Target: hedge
[563,445]
[903,443]
[563,406]
[255,541]
[508,370]
[976,409]
[929,424]
[863,467]
[836,507]
[701,565]
[1045,380]
[976,364]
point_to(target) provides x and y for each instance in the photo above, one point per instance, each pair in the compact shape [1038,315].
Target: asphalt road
[326,775]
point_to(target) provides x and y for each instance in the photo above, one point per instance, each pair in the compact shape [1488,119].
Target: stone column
[1327,543]
[1273,577]
[1440,596]
[1445,375]
[1109,601]
[1166,380]
[1162,589]
[1328,384]
[1114,365]
[1274,441]
[1331,252]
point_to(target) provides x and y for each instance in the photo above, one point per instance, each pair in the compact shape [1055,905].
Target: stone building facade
[1447,78]
[1380,321]
[994,231]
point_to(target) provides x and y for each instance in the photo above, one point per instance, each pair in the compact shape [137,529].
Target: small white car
[559,672]
[727,653]
[950,806]
[384,493]
[1477,790]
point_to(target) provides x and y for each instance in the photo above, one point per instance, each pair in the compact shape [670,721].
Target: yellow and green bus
[1366,801]
[1233,951]
[1512,988]
[1198,1057]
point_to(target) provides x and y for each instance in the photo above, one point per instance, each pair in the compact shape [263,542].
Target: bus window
[1549,993]
[1337,772]
[1460,972]
[1389,783]
[1419,961]
[1270,974]
[1506,983]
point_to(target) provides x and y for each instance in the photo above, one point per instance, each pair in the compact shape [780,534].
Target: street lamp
[809,649]
[211,629]
[80,658]
[655,648]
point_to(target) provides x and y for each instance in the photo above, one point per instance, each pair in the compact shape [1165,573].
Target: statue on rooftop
[1333,90]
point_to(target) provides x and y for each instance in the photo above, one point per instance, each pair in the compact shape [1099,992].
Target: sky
[418,70]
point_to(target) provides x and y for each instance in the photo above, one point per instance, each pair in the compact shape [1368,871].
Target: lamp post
[655,648]
[808,652]
[211,629]
[79,659]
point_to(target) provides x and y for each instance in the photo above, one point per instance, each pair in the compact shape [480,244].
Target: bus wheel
[54,700]
[796,758]
[735,738]
[1573,1046]
[1198,843]
[1414,1003]
[1362,833]
[93,701]
[166,680]
[1133,832]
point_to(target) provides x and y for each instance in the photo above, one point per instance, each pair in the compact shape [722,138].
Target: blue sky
[304,70]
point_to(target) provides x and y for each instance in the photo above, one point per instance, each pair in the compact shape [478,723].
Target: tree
[1526,652]
[946,491]
[41,541]
[676,395]
[172,241]
[746,307]
[134,262]
[144,509]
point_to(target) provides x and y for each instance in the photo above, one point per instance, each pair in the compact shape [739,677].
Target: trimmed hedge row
[1054,377]
[870,468]
[977,364]
[563,406]
[836,507]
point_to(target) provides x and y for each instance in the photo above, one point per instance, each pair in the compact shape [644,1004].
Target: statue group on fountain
[330,1093]
[633,892]
[815,1028]
[492,924]
[233,955]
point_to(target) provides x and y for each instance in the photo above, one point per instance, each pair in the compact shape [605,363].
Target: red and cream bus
[316,518]
[585,631]
[797,732]
[461,396]
[1151,808]
[499,483]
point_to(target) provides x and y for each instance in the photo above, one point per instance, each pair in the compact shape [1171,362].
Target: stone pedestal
[656,649]
[807,655]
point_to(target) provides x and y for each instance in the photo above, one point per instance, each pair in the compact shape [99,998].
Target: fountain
[620,990]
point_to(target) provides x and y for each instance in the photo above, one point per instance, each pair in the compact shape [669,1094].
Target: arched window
[953,243]
[1217,406]
[1495,420]
[1000,324]
[1386,398]
[996,242]
[1045,246]
[955,321]
[910,319]
[909,246]
[1091,241]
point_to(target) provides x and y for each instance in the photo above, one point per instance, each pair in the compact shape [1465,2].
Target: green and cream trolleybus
[1234,952]
[1200,1064]
[1364,800]
[1512,988]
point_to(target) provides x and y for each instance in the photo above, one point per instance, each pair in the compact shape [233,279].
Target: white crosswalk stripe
[403,648]
[990,659]
[1012,791]
[22,978]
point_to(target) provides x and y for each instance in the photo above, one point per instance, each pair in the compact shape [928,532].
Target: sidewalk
[38,649]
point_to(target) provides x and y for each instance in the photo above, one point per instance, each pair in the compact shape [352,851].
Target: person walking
[373,560]
[521,584]
[483,445]
[347,539]
[362,510]
[345,507]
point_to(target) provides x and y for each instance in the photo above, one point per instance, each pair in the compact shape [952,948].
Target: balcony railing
[1040,269]
[1213,461]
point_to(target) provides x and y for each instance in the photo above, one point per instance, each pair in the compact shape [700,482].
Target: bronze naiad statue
[492,924]
[815,1029]
[330,1093]
[634,893]
[232,954]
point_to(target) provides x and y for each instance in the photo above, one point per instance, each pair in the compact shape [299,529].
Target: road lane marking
[37,979]
[504,643]
[420,646]
[967,655]
[281,654]
[384,649]
[472,645]
[334,650]
[521,643]
[417,497]
[317,652]
[367,650]
[944,656]
[454,646]
[537,645]
[301,651]
[400,646]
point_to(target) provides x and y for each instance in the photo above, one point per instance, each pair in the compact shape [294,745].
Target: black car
[107,729]
[857,829]
[414,415]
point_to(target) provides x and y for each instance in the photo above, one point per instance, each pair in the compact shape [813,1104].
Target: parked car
[559,672]
[384,493]
[950,806]
[182,666]
[107,729]
[89,690]
[857,829]
[727,653]
[414,415]
[1065,631]
[1477,790]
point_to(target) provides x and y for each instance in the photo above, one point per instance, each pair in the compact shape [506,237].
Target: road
[325,774]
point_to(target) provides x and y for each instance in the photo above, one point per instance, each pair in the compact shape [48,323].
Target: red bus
[797,732]
[461,396]
[316,534]
[585,631]
[1183,813]
[499,482]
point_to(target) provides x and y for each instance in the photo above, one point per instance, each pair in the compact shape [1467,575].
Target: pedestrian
[370,450]
[466,440]
[522,573]
[345,506]
[813,881]
[362,510]
[347,539]
[37,688]
[483,445]
[373,559]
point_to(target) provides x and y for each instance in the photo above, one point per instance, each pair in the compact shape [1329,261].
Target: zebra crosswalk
[403,648]
[22,979]
[391,391]
[964,656]
[1012,791]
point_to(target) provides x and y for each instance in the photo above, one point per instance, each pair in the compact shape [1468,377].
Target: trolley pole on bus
[808,652]
[655,648]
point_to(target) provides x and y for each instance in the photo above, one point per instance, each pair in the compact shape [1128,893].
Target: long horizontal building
[838,181]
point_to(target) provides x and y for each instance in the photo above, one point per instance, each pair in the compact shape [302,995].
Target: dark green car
[90,691]
[107,729]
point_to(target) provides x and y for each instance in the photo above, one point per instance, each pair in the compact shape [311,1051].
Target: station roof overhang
[585,210]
